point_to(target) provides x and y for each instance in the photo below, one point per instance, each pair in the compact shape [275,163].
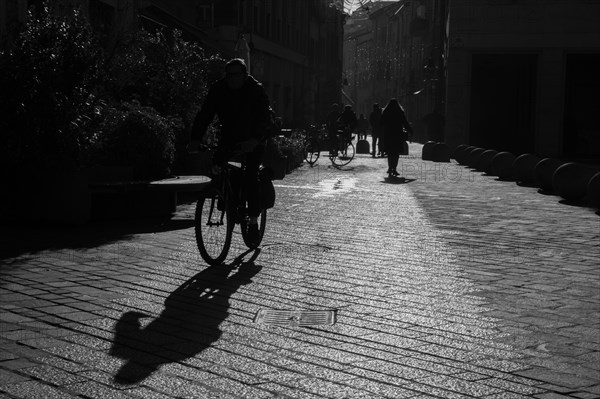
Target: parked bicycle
[342,150]
[223,205]
[312,149]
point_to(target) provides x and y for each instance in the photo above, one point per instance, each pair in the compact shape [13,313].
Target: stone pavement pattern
[451,285]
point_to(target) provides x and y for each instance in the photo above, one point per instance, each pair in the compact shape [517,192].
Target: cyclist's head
[236,73]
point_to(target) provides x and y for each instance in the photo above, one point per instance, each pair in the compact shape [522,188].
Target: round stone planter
[473,156]
[458,151]
[571,180]
[440,153]
[502,165]
[524,168]
[484,164]
[427,151]
[593,190]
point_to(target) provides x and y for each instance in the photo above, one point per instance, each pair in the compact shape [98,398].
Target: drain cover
[295,318]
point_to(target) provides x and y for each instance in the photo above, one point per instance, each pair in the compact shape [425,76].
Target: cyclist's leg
[253,160]
[393,161]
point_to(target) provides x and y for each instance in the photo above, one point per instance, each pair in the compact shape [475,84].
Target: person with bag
[396,131]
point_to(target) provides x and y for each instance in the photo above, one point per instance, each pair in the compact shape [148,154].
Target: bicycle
[343,150]
[221,206]
[312,150]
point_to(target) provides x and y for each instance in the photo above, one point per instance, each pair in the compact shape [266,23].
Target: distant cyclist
[348,121]
[242,106]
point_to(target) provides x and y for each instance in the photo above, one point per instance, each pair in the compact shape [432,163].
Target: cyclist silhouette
[242,106]
[348,121]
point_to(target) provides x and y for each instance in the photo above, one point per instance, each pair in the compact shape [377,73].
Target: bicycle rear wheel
[344,155]
[213,227]
[312,152]
[262,222]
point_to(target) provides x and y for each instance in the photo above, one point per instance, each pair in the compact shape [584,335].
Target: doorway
[581,135]
[503,90]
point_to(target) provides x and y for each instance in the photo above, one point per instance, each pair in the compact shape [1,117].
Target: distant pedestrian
[396,131]
[362,125]
[375,122]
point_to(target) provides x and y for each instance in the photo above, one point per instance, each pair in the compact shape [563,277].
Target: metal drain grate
[295,318]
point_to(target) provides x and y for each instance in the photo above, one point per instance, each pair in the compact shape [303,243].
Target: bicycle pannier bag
[267,191]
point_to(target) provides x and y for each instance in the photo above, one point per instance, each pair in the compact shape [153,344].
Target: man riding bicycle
[242,106]
[348,121]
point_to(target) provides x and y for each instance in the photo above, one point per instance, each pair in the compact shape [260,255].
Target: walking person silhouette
[396,131]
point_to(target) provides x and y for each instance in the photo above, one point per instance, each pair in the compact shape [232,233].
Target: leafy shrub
[56,84]
[48,80]
[292,146]
[163,71]
[137,136]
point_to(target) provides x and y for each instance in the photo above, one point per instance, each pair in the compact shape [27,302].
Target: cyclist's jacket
[243,113]
[348,119]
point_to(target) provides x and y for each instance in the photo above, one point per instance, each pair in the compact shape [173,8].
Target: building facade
[394,50]
[523,76]
[293,47]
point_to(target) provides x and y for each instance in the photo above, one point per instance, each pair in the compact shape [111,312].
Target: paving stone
[8,377]
[36,389]
[452,285]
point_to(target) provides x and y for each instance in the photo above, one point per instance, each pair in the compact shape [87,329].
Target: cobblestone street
[448,284]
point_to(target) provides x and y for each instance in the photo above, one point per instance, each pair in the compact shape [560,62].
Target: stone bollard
[484,164]
[440,153]
[473,156]
[462,157]
[426,154]
[363,147]
[593,190]
[502,165]
[543,172]
[458,151]
[524,168]
[571,180]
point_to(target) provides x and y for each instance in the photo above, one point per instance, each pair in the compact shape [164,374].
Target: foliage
[293,145]
[137,136]
[163,71]
[48,80]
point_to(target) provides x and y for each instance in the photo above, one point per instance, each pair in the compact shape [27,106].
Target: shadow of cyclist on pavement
[188,324]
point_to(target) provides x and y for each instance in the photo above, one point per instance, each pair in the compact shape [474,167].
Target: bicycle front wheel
[214,227]
[344,155]
[312,153]
[262,222]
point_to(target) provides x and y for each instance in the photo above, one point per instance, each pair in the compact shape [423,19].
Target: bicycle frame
[234,198]
[228,195]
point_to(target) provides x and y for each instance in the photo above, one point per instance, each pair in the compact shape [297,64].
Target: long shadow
[22,238]
[397,180]
[188,325]
[580,203]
